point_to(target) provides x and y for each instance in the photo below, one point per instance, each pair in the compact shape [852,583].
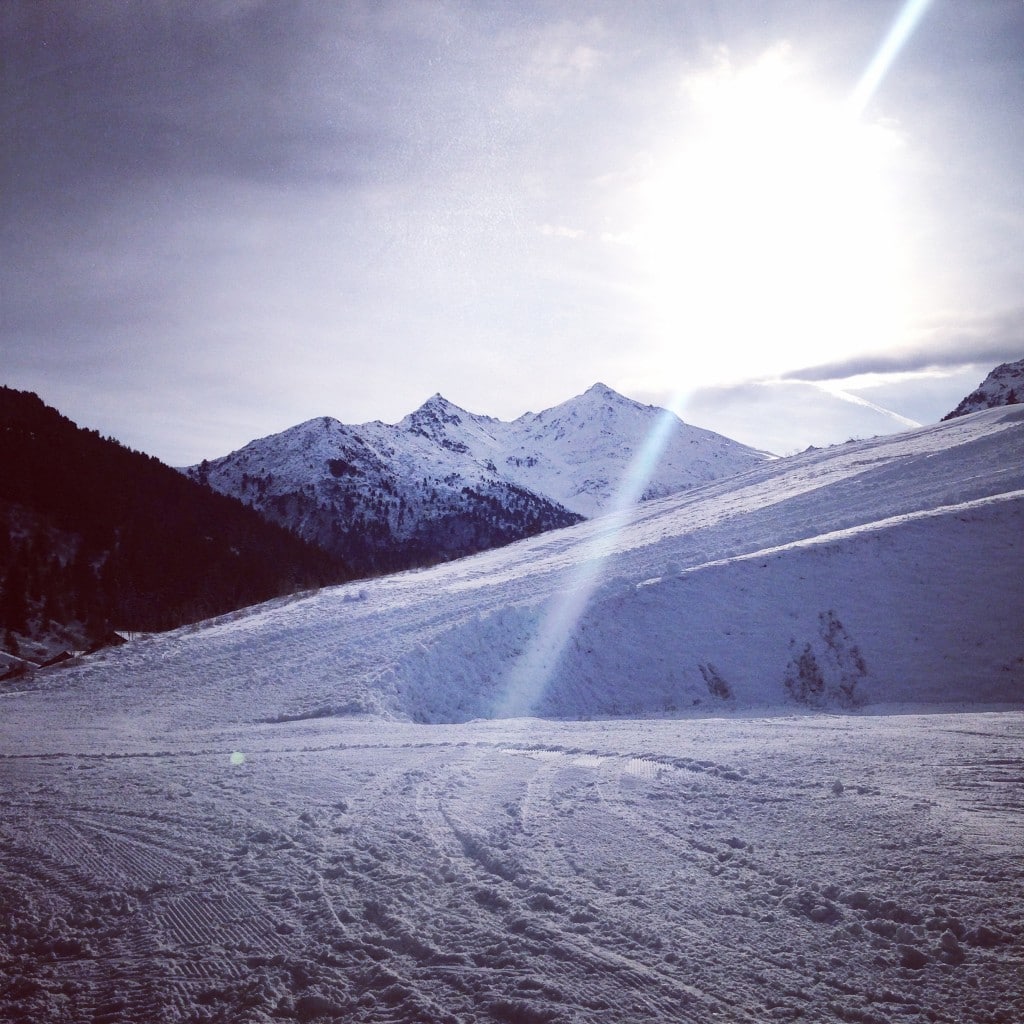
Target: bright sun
[769,230]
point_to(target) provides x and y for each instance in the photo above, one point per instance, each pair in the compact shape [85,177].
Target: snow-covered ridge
[573,454]
[877,571]
[579,452]
[1003,386]
[445,482]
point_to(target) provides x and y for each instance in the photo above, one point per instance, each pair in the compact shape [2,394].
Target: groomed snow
[247,820]
[791,868]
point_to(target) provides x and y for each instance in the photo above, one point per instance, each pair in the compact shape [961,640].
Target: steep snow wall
[877,614]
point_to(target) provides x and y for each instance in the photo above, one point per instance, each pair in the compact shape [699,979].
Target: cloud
[561,231]
[853,399]
[787,416]
[561,58]
[287,209]
[950,346]
[259,92]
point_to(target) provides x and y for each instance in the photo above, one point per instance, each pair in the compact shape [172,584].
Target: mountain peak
[609,397]
[434,419]
[1003,386]
[604,392]
[597,403]
[317,423]
[437,404]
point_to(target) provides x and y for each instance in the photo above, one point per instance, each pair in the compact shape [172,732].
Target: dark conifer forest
[95,537]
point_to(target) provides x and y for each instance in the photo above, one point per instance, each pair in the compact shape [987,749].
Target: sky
[792,221]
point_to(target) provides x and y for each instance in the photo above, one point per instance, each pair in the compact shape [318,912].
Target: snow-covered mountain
[875,571]
[1003,386]
[445,482]
[323,808]
[381,497]
[594,449]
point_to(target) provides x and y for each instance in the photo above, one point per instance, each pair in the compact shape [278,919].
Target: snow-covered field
[732,808]
[793,868]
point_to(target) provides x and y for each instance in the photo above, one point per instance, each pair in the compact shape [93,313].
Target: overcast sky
[223,218]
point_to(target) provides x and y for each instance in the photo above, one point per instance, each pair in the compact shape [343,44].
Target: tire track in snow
[989,794]
[711,878]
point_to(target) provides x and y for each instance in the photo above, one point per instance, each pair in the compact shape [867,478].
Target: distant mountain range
[445,482]
[1003,386]
[94,536]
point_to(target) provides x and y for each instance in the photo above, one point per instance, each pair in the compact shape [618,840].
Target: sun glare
[767,228]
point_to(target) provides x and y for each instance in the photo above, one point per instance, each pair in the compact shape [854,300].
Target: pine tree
[13,600]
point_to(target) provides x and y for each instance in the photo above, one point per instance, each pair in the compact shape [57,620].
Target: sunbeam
[530,674]
[897,37]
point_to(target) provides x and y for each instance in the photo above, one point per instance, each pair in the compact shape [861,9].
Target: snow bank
[840,622]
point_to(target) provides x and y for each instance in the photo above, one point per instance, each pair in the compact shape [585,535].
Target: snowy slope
[203,825]
[901,554]
[1003,386]
[740,871]
[444,482]
[581,453]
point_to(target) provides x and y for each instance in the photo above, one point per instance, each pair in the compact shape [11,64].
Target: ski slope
[747,753]
[911,543]
[745,869]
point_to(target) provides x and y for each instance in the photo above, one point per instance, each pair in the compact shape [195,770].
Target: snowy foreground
[816,868]
[673,764]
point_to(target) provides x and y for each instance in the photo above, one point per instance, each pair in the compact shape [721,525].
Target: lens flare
[824,160]
[902,29]
[531,673]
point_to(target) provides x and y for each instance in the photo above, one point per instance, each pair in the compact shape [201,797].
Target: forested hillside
[94,536]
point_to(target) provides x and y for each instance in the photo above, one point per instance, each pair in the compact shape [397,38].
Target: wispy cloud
[948,346]
[846,396]
[562,55]
[561,231]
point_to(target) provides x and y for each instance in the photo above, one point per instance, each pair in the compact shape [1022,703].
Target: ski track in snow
[237,821]
[817,867]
